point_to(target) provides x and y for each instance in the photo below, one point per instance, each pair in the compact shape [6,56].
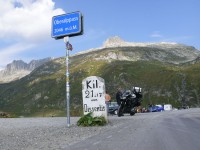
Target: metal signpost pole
[66,40]
[65,26]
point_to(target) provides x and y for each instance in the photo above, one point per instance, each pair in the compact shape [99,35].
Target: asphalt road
[172,130]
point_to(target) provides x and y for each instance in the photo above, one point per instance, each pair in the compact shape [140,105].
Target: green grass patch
[89,120]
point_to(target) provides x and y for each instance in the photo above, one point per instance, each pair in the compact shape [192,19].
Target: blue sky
[25,25]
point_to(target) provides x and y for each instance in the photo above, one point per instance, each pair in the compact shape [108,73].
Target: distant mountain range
[166,52]
[18,69]
[166,72]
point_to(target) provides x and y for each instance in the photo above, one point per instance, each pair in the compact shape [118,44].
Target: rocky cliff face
[118,49]
[18,69]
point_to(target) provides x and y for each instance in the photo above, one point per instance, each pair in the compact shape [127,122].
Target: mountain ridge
[18,69]
[180,50]
[164,76]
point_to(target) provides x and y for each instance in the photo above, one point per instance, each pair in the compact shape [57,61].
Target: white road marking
[109,137]
[96,143]
[119,130]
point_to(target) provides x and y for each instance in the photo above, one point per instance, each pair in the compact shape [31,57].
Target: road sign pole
[65,26]
[66,40]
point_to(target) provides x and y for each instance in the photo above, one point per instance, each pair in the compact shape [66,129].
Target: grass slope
[42,93]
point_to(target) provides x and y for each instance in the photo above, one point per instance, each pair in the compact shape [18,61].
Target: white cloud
[178,39]
[156,34]
[28,20]
[9,53]
[24,24]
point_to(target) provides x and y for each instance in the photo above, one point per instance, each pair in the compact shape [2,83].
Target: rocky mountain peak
[18,69]
[16,65]
[170,52]
[115,41]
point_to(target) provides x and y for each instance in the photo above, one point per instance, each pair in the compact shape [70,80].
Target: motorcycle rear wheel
[132,112]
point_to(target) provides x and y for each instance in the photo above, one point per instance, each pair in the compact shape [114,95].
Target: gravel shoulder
[53,134]
[47,133]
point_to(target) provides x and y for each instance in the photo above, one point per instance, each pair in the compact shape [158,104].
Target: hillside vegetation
[162,75]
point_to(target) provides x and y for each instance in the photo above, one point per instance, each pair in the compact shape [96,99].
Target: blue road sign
[66,25]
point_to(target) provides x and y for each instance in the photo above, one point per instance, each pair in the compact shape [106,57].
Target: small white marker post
[66,40]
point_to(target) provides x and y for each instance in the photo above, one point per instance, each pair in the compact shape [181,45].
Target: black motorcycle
[129,100]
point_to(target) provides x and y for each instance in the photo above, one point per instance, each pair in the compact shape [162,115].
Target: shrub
[4,115]
[89,120]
